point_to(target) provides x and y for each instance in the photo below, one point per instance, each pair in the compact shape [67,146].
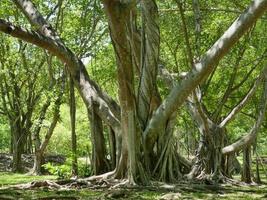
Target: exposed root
[37,184]
[123,183]
[105,176]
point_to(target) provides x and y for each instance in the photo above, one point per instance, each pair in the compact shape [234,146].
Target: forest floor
[8,190]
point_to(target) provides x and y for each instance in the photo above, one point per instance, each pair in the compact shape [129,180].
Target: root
[125,183]
[37,184]
[105,176]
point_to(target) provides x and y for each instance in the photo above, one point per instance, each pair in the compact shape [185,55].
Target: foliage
[61,171]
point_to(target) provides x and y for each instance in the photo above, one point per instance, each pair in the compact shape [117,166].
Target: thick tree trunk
[120,22]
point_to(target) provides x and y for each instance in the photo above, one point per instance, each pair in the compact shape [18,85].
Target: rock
[171,196]
[27,161]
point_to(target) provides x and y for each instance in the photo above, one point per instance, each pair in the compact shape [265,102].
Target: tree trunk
[29,144]
[258,178]
[112,148]
[17,147]
[73,125]
[99,160]
[38,162]
[247,173]
[230,165]
[209,156]
[121,30]
[40,147]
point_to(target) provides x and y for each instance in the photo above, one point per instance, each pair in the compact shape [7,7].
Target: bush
[84,169]
[62,171]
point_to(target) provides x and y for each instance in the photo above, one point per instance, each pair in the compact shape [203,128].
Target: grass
[187,191]
[9,178]
[228,193]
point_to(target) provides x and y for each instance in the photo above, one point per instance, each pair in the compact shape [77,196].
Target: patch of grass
[187,191]
[8,178]
[227,193]
[49,194]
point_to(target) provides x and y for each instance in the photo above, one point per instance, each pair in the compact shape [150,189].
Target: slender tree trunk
[258,178]
[112,148]
[40,147]
[38,162]
[230,165]
[39,152]
[29,144]
[11,136]
[247,173]
[17,151]
[73,125]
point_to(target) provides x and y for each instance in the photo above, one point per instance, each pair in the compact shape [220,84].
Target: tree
[142,122]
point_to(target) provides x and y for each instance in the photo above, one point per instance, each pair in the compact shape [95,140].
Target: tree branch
[46,38]
[206,65]
[250,137]
[243,102]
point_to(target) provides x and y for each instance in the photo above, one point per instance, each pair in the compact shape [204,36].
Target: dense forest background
[143,90]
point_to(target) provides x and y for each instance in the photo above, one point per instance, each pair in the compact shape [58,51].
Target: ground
[162,191]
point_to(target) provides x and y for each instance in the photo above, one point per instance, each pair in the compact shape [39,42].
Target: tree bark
[202,69]
[246,173]
[99,161]
[40,146]
[73,125]
[112,148]
[46,38]
[250,137]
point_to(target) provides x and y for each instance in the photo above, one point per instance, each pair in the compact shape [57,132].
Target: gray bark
[99,160]
[247,173]
[246,140]
[73,125]
[148,94]
[46,38]
[206,65]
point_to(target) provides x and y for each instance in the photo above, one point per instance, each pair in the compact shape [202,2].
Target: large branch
[250,137]
[35,38]
[206,65]
[46,38]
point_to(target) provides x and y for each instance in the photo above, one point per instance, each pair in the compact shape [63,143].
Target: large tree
[142,121]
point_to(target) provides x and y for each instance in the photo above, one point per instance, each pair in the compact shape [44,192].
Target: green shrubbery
[64,171]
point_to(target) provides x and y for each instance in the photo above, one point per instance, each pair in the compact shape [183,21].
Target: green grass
[49,194]
[230,193]
[8,178]
[187,191]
